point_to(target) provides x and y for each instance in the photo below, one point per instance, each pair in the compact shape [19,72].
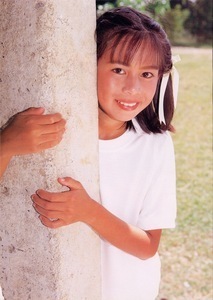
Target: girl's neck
[110,129]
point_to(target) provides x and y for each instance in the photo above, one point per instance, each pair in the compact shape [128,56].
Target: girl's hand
[31,131]
[59,209]
[64,208]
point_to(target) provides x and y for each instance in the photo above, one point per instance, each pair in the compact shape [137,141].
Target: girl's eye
[147,75]
[118,71]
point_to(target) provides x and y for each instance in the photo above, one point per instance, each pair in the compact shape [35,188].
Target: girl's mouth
[127,105]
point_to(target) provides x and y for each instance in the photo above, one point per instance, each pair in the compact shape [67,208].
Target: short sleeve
[159,205]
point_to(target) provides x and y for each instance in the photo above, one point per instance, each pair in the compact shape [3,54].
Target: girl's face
[124,90]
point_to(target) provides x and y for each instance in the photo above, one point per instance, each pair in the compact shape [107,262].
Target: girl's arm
[29,132]
[59,209]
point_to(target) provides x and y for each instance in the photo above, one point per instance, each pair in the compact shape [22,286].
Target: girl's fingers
[44,146]
[45,204]
[70,183]
[57,136]
[50,135]
[51,215]
[32,111]
[38,118]
[49,141]
[44,198]
[49,197]
[49,119]
[53,128]
[51,223]
[58,209]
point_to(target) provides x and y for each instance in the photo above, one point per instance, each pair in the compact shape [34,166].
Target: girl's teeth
[127,104]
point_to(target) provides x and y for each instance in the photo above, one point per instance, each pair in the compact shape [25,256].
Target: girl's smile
[124,90]
[127,105]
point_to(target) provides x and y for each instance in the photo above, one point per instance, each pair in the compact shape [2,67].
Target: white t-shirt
[138,185]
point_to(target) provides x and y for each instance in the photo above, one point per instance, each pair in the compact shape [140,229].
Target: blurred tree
[199,22]
[157,8]
[136,4]
[104,5]
[173,22]
[183,3]
[101,2]
[180,18]
[152,6]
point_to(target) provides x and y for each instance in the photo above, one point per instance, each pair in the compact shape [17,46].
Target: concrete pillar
[48,59]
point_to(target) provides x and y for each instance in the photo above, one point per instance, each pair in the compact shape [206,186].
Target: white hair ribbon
[164,82]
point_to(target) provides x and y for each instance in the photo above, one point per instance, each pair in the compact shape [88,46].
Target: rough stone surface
[48,59]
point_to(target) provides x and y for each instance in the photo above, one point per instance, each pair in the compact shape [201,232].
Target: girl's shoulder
[159,144]
[163,136]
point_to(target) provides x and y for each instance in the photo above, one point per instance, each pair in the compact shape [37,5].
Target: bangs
[130,44]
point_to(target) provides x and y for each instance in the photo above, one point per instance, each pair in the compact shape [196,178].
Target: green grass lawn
[186,252]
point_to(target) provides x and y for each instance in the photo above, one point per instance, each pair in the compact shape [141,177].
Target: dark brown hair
[132,28]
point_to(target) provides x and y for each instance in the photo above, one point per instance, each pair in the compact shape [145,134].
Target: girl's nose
[132,85]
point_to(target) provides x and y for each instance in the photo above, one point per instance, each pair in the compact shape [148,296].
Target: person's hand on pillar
[27,132]
[75,205]
[64,208]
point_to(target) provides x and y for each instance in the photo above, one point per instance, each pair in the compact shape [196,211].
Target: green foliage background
[186,22]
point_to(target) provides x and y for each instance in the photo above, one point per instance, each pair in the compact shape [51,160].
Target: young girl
[137,168]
